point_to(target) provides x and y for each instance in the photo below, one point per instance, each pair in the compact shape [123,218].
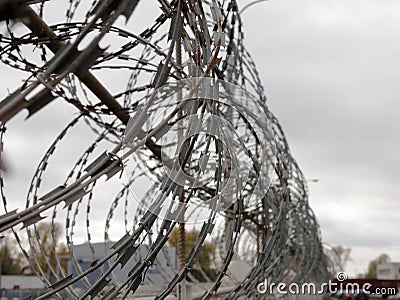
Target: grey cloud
[330,69]
[331,74]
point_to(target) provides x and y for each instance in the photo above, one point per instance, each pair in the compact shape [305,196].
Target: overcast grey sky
[331,73]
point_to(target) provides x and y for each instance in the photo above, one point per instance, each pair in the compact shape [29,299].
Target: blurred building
[388,271]
[85,254]
[21,286]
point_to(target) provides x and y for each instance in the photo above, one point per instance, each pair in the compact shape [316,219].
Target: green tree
[203,260]
[9,257]
[382,258]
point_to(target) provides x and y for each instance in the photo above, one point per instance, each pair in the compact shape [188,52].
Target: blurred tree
[382,258]
[49,239]
[339,257]
[9,257]
[204,259]
[360,275]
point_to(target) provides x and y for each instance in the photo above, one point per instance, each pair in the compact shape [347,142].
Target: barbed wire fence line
[180,119]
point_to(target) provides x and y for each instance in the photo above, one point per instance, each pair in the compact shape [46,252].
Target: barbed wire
[191,133]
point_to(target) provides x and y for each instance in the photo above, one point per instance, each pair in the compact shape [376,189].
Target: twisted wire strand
[268,225]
